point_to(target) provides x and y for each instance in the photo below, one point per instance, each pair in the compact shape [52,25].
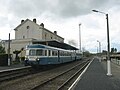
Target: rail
[10,74]
[61,80]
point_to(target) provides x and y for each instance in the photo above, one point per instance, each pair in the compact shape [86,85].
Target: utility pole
[108,44]
[9,50]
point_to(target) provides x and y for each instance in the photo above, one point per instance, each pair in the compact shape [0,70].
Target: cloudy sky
[64,16]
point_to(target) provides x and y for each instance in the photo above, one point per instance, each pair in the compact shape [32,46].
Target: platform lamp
[99,50]
[80,37]
[108,44]
[99,46]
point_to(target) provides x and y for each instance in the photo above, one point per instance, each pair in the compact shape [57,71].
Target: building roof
[55,43]
[21,24]
[36,24]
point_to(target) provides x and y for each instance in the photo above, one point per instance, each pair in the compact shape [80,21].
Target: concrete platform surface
[5,68]
[95,77]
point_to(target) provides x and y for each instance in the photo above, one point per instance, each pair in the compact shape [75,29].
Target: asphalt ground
[95,77]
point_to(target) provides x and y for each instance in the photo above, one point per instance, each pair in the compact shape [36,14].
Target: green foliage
[22,58]
[16,52]
[87,54]
[104,52]
[113,50]
[2,49]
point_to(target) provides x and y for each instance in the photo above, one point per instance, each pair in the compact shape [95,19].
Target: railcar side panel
[46,55]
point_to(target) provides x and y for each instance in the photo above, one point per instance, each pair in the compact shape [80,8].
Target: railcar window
[49,53]
[45,53]
[39,52]
[62,53]
[54,53]
[32,52]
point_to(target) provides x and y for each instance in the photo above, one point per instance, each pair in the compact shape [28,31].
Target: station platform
[11,67]
[95,78]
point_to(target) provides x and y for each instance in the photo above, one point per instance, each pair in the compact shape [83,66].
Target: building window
[23,37]
[45,36]
[28,27]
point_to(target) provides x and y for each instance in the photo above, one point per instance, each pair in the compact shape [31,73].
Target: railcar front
[41,55]
[46,55]
[78,56]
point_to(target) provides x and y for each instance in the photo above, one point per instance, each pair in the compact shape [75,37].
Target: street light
[80,37]
[108,46]
[99,50]
[99,46]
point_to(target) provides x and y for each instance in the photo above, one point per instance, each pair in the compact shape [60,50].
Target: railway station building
[29,32]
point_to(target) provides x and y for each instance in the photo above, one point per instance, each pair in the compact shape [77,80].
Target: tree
[113,50]
[87,54]
[104,52]
[2,49]
[16,52]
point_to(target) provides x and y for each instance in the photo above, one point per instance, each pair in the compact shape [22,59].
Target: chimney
[42,25]
[55,32]
[34,20]
[22,21]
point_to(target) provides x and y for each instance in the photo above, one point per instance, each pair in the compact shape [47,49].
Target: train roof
[57,44]
[38,46]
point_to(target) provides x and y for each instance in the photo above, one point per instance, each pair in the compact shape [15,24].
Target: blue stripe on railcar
[51,60]
[54,60]
[48,60]
[65,59]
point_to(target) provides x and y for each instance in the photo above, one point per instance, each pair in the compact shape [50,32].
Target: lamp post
[99,50]
[96,50]
[108,44]
[80,37]
[99,46]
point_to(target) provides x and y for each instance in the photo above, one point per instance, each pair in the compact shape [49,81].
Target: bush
[22,58]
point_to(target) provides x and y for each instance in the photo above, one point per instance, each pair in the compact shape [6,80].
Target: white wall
[17,45]
[34,31]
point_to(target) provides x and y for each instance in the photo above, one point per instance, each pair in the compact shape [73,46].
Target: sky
[64,16]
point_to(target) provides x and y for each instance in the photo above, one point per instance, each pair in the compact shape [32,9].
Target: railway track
[10,74]
[39,79]
[62,80]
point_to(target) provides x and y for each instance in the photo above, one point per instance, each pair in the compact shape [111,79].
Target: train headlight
[26,58]
[37,59]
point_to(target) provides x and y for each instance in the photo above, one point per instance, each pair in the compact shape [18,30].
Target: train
[38,54]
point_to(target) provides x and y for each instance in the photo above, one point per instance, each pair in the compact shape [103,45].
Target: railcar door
[58,56]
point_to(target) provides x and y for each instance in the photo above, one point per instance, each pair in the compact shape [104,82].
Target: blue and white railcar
[38,54]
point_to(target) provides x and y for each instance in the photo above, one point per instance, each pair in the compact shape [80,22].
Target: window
[32,53]
[39,52]
[45,52]
[23,37]
[28,27]
[51,37]
[49,53]
[54,53]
